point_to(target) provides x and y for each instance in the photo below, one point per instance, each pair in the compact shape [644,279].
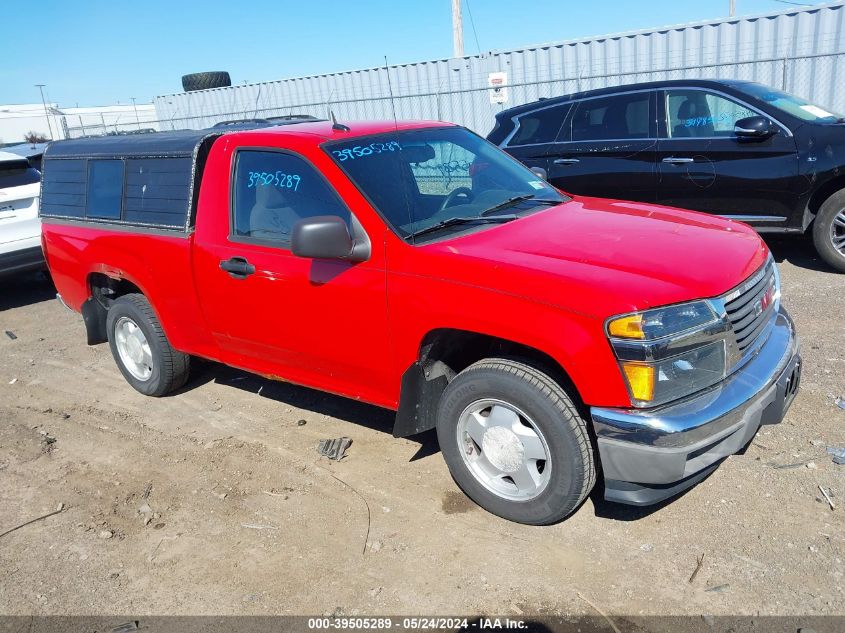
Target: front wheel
[515,443]
[140,348]
[829,231]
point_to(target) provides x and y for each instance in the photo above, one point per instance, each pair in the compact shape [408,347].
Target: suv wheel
[140,348]
[515,443]
[829,231]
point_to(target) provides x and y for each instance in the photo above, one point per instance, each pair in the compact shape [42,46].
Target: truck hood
[604,257]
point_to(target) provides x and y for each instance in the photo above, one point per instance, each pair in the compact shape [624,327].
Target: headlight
[668,353]
[660,322]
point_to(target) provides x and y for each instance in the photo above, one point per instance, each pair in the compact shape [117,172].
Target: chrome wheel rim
[133,348]
[837,232]
[504,449]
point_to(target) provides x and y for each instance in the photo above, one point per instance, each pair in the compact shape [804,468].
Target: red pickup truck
[549,339]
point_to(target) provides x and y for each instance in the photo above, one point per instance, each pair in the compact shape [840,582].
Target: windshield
[791,104]
[435,181]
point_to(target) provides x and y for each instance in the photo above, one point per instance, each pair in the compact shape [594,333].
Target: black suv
[735,148]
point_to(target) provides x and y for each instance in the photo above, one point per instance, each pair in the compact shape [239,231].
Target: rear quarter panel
[158,264]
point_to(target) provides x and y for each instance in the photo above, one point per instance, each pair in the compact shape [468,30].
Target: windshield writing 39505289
[362,151]
[275,179]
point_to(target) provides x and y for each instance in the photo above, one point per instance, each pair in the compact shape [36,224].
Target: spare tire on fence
[205,81]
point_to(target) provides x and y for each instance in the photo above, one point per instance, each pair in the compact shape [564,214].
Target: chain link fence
[820,78]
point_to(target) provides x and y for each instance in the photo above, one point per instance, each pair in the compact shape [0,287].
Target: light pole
[137,121]
[457,30]
[46,112]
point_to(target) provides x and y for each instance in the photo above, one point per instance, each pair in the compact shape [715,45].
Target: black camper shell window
[146,180]
[105,189]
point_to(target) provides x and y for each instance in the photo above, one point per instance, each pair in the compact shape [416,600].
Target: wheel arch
[103,289]
[820,196]
[443,353]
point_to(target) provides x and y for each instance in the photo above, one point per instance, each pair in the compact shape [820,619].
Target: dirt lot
[214,500]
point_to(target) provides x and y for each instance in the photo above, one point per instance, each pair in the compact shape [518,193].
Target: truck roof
[326,131]
[185,142]
[161,171]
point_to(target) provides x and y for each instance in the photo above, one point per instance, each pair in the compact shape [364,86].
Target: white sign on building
[498,84]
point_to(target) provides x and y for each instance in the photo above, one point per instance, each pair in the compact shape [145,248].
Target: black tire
[206,81]
[832,207]
[170,368]
[557,421]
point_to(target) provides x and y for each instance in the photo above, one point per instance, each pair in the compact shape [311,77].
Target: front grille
[750,307]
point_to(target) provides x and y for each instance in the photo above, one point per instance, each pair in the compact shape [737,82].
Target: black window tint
[274,190]
[539,126]
[63,188]
[157,191]
[105,189]
[617,117]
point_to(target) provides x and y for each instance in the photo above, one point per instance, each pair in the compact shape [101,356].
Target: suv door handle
[237,267]
[672,160]
[566,161]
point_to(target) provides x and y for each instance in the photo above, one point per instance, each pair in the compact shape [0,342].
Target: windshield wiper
[516,200]
[467,220]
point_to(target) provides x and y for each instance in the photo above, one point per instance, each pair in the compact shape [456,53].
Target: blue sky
[95,52]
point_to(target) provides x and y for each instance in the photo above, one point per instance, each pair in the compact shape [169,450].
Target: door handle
[237,267]
[672,160]
[566,161]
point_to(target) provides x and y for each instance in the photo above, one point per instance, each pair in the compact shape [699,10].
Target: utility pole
[46,112]
[137,121]
[457,30]
[732,8]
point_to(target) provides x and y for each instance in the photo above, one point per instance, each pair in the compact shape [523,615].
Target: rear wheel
[142,352]
[829,231]
[515,443]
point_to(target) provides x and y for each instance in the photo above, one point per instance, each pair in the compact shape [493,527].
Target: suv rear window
[17,173]
[623,116]
[540,126]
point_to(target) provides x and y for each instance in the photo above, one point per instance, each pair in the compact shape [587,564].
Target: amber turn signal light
[627,327]
[640,380]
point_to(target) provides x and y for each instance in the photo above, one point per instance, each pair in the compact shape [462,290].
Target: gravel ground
[214,500]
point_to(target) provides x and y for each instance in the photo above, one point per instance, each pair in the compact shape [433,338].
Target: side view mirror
[755,127]
[540,172]
[325,237]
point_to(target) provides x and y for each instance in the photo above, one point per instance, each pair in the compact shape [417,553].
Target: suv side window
[625,116]
[273,191]
[698,113]
[540,126]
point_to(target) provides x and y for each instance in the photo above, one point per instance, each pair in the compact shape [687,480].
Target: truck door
[319,323]
[703,166]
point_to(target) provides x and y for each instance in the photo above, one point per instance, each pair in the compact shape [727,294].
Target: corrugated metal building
[799,50]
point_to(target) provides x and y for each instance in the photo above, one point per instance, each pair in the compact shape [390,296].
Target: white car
[20,228]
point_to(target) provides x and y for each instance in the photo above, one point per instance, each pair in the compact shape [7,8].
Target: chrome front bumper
[650,455]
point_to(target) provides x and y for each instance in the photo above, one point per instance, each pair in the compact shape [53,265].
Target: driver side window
[697,113]
[273,191]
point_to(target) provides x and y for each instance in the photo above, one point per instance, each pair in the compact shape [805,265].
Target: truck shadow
[23,289]
[375,418]
[313,400]
[291,395]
